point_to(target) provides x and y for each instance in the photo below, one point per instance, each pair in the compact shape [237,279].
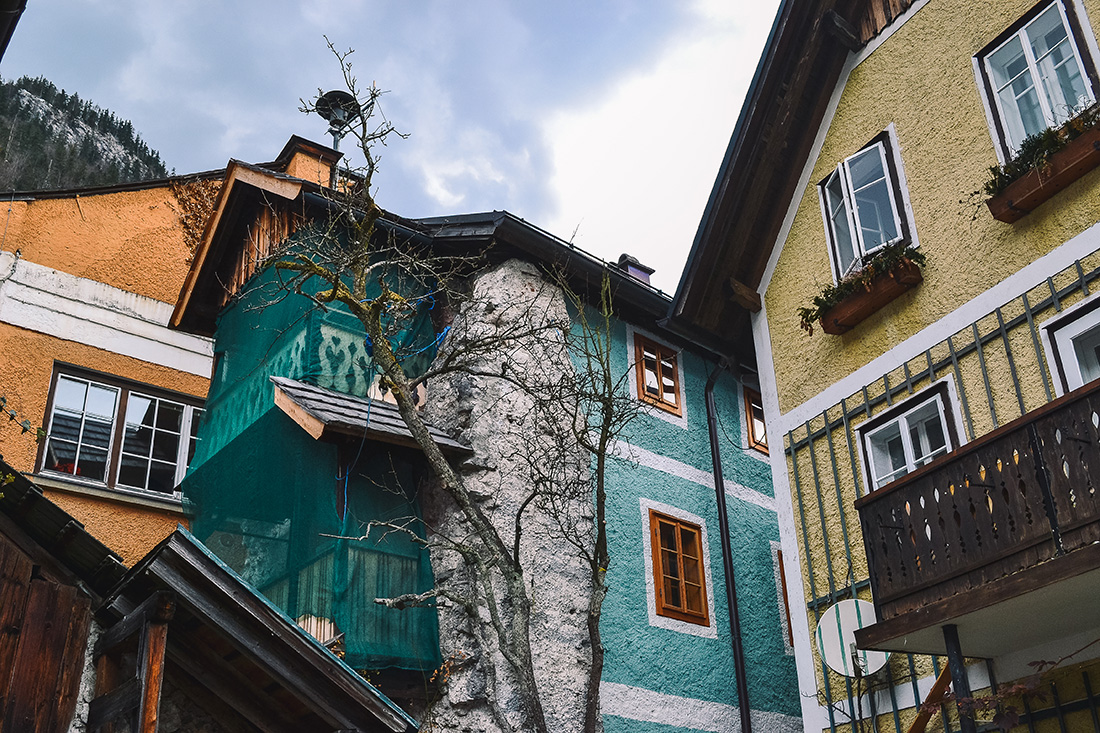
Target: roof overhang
[229,644]
[334,416]
[783,111]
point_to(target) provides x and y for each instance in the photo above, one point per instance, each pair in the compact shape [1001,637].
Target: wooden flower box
[1023,195]
[844,316]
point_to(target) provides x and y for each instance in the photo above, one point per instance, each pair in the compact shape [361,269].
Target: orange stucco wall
[132,240]
[27,371]
[129,530]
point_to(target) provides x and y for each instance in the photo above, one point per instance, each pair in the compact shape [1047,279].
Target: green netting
[271,501]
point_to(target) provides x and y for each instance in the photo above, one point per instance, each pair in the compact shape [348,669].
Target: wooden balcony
[1000,537]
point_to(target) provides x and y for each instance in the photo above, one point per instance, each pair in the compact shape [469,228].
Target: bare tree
[572,389]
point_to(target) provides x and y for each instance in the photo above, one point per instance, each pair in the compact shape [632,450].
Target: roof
[248,187]
[78,554]
[326,414]
[231,643]
[802,62]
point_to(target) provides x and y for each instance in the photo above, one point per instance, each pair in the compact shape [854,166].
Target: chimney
[634,268]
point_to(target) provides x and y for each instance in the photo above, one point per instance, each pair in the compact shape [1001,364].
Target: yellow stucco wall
[921,79]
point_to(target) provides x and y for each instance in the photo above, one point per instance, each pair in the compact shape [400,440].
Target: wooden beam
[106,709]
[160,607]
[841,30]
[939,689]
[745,296]
[153,643]
[306,419]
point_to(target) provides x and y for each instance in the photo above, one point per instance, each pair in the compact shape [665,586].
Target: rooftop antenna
[339,109]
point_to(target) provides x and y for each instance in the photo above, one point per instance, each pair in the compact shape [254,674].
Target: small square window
[913,434]
[862,205]
[658,375]
[1073,346]
[756,428]
[678,569]
[119,434]
[1035,75]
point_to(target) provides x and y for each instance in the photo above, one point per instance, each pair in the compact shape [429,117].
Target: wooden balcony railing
[1024,494]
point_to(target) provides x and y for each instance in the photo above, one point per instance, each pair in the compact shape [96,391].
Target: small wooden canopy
[330,416]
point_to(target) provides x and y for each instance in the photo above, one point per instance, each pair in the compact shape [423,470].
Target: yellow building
[939,430]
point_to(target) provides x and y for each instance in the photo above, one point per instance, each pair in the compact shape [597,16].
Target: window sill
[99,491]
[848,313]
[1023,195]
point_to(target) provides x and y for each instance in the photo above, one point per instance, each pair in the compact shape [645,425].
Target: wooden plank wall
[877,14]
[43,636]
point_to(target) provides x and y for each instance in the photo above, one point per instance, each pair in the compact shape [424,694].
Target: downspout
[727,556]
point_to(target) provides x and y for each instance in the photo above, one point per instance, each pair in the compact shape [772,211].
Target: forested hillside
[52,139]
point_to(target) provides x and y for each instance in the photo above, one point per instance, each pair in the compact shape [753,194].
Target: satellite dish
[836,639]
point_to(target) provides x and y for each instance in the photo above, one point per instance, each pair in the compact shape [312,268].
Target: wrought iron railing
[1016,497]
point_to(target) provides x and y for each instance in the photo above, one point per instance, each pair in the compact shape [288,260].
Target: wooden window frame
[664,607]
[756,443]
[663,353]
[193,406]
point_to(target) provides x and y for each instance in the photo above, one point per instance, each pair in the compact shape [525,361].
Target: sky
[602,122]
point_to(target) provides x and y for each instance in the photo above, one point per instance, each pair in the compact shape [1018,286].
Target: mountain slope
[51,139]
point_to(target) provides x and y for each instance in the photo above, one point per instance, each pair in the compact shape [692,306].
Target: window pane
[672,592]
[162,477]
[1087,348]
[138,440]
[169,416]
[101,401]
[1016,91]
[166,446]
[693,597]
[69,395]
[97,432]
[66,426]
[132,471]
[667,534]
[61,456]
[887,454]
[92,463]
[196,420]
[688,544]
[838,220]
[874,201]
[1058,68]
[649,368]
[140,409]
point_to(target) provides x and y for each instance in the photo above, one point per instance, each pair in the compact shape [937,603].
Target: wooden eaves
[759,176]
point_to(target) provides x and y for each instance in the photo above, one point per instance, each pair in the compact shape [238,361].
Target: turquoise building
[301,450]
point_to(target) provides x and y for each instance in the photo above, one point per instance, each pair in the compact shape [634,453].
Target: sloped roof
[798,71]
[238,647]
[325,414]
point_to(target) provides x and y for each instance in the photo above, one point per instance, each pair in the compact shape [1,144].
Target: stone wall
[506,431]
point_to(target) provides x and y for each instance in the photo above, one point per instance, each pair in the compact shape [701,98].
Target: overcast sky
[601,121]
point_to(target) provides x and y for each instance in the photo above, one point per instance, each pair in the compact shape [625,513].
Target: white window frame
[998,119]
[1059,334]
[942,393]
[887,145]
[123,389]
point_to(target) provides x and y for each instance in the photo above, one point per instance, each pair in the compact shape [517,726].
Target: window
[861,205]
[658,375]
[1035,76]
[1073,343]
[913,434]
[147,450]
[756,430]
[681,590]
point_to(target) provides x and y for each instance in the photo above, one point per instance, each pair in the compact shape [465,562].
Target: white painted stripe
[1011,287]
[636,703]
[671,466]
[89,312]
[788,535]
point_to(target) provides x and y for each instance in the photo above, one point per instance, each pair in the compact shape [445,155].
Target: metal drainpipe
[727,557]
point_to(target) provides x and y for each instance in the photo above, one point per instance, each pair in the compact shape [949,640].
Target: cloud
[632,171]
